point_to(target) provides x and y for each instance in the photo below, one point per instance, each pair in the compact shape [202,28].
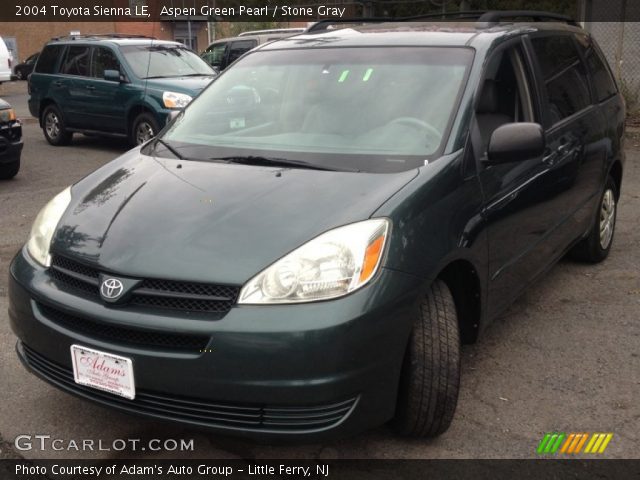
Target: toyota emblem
[111,288]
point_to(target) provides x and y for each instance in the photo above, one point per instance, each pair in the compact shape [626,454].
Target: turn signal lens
[371,259]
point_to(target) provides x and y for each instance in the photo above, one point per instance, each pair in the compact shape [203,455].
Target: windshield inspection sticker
[236,123]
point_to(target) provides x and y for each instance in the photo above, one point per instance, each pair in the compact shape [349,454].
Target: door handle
[90,87]
[58,83]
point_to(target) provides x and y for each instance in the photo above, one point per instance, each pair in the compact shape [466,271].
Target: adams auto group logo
[573,443]
[111,288]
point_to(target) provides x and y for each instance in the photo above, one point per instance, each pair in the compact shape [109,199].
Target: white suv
[6,60]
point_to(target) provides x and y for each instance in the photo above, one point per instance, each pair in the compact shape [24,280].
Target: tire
[596,246]
[143,128]
[9,170]
[53,127]
[430,377]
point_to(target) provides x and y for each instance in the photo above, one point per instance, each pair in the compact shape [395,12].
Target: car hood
[189,85]
[4,105]
[209,222]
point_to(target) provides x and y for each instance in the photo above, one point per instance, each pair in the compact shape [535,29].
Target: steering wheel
[418,125]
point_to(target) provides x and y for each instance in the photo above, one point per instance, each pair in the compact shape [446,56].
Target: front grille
[198,411]
[11,132]
[154,293]
[75,283]
[64,263]
[125,335]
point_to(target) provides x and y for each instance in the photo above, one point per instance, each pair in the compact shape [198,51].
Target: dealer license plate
[104,371]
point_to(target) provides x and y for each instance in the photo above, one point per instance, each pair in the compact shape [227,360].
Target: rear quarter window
[564,74]
[601,78]
[49,58]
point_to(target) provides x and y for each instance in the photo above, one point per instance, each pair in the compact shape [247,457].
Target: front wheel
[143,129]
[431,372]
[596,246]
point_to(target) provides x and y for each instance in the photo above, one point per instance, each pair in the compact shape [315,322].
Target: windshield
[160,61]
[368,109]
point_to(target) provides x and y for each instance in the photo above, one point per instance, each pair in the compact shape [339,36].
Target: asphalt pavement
[565,357]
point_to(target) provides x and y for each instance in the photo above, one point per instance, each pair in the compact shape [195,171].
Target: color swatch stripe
[606,441]
[565,447]
[582,442]
[573,443]
[543,442]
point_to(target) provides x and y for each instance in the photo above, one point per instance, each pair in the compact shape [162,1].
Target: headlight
[329,266]
[7,115]
[44,226]
[175,100]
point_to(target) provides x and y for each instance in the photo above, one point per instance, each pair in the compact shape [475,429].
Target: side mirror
[112,76]
[515,142]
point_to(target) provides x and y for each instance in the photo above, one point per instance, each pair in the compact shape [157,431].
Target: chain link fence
[620,42]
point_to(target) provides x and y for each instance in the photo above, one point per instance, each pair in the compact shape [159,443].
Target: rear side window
[602,79]
[215,54]
[48,58]
[76,62]
[240,48]
[564,75]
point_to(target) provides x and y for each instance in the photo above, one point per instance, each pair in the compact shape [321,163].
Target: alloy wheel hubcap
[144,132]
[607,219]
[52,125]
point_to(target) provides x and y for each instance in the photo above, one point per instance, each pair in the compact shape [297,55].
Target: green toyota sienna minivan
[112,84]
[301,252]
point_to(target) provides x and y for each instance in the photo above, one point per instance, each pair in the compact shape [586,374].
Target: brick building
[26,38]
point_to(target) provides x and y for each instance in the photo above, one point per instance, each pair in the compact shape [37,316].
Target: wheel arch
[136,110]
[461,276]
[615,172]
[44,104]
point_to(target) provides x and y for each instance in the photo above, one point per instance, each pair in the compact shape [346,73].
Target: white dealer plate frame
[103,371]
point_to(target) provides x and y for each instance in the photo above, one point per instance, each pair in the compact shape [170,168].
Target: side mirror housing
[112,76]
[515,142]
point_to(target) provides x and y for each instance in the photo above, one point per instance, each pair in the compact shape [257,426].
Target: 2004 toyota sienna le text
[301,252]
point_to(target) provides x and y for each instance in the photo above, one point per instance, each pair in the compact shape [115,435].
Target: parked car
[10,141]
[116,85]
[24,69]
[225,51]
[273,271]
[6,60]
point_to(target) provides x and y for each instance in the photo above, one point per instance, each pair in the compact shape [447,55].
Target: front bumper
[10,142]
[308,371]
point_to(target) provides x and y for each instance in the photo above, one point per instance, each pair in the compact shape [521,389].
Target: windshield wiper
[168,147]
[276,162]
[212,74]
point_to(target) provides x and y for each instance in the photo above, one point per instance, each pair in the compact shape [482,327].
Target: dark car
[298,255]
[10,141]
[24,69]
[223,52]
[115,85]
